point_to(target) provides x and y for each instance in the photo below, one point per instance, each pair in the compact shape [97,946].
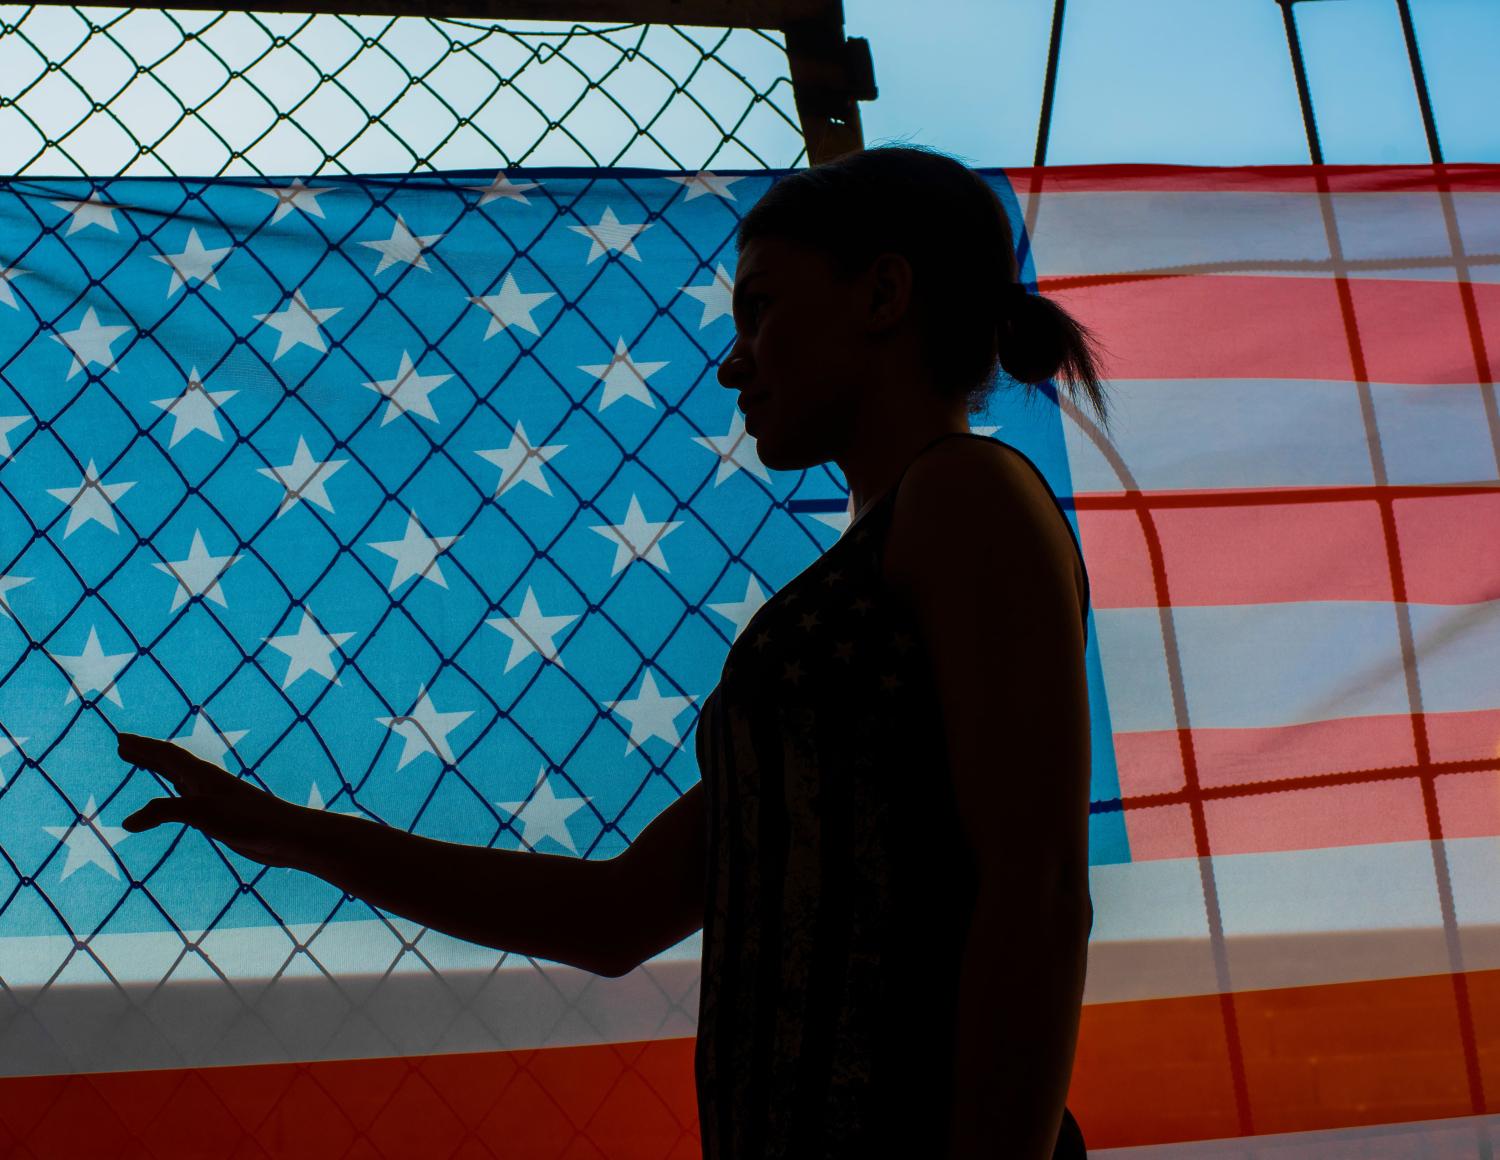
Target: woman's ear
[890,281]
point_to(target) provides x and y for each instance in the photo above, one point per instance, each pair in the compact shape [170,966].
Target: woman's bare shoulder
[981,490]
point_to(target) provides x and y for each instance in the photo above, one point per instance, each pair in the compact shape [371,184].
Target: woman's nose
[732,371]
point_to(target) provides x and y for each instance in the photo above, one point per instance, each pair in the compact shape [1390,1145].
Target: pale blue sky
[1194,82]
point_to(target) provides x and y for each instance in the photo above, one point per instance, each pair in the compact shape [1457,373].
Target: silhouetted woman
[888,849]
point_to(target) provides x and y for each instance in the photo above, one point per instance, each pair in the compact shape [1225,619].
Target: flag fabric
[416,498]
[1294,543]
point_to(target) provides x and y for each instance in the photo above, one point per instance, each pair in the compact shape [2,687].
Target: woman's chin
[774,452]
[765,451]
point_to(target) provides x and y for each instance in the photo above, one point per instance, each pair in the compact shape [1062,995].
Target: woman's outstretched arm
[603,915]
[548,906]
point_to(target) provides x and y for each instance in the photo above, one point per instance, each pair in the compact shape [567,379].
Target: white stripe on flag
[1208,434]
[1385,235]
[1255,666]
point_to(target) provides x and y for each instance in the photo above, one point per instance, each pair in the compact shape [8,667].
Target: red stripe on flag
[1265,549]
[1165,327]
[625,1101]
[1158,1071]
[1146,1072]
[1343,782]
[1471,177]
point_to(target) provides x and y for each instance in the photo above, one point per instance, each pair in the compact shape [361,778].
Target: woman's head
[885,241]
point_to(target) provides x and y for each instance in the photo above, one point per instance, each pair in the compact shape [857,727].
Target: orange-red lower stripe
[1147,1072]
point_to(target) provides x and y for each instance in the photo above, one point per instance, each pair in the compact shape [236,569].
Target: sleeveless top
[838,889]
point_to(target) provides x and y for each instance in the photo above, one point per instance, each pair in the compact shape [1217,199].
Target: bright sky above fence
[1180,81]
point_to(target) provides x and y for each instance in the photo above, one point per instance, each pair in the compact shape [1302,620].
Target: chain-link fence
[146,91]
[347,395]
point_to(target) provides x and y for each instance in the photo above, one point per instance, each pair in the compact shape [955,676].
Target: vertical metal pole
[1314,149]
[1044,129]
[1434,147]
[1043,136]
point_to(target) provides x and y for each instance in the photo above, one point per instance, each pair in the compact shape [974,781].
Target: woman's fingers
[206,814]
[157,811]
[250,821]
[187,772]
[263,828]
[149,753]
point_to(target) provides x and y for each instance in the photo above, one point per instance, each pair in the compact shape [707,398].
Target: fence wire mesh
[143,91]
[107,382]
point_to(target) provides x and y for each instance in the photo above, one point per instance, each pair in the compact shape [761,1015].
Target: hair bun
[1031,338]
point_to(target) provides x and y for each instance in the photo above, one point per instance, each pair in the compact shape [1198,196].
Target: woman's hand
[249,821]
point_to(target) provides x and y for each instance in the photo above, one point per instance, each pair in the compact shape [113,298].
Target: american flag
[1294,544]
[416,498]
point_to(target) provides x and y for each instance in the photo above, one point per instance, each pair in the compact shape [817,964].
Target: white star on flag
[93,212]
[717,296]
[207,742]
[304,478]
[503,186]
[531,632]
[703,182]
[651,714]
[609,233]
[91,343]
[739,612]
[198,575]
[637,538]
[623,377]
[8,274]
[545,815]
[415,553]
[510,307]
[309,649]
[521,462]
[736,450]
[403,246]
[89,842]
[194,263]
[425,730]
[294,196]
[408,391]
[298,323]
[93,670]
[9,423]
[7,582]
[194,409]
[90,500]
[7,747]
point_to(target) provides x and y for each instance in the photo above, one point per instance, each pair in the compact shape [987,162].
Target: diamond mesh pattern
[92,94]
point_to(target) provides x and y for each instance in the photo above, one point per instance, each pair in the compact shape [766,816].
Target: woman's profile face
[797,360]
